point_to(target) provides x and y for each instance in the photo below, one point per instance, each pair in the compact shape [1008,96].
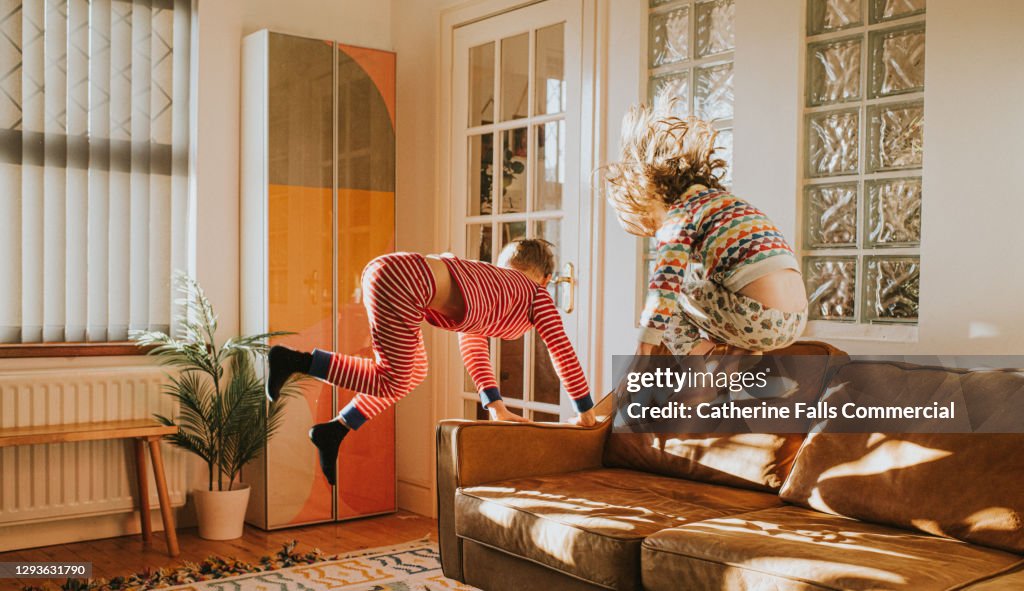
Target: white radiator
[59,481]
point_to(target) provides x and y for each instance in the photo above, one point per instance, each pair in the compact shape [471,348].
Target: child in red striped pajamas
[476,299]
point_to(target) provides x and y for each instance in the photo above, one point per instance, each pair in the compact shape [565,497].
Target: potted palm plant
[223,414]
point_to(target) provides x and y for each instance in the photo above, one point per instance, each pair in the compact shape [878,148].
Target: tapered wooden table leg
[165,500]
[140,475]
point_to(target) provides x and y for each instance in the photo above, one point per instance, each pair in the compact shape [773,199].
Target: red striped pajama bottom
[397,288]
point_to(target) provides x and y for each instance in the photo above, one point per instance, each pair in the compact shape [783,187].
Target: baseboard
[417,498]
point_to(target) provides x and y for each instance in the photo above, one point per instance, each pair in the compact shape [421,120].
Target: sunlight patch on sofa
[995,519]
[562,509]
[826,570]
[888,455]
[498,514]
[820,537]
[555,540]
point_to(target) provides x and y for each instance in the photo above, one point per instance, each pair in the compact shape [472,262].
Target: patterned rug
[410,567]
[415,566]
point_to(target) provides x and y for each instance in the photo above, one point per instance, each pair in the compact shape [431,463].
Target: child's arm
[477,359]
[549,326]
[667,280]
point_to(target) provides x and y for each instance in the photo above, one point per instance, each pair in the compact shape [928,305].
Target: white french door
[515,173]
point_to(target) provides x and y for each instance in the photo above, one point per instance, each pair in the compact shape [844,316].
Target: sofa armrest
[477,452]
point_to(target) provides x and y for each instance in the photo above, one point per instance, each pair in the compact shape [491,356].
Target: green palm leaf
[222,415]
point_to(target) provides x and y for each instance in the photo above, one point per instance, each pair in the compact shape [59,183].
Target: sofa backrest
[757,461]
[964,486]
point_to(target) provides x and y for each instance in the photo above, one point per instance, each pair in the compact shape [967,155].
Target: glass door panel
[549,71]
[515,76]
[545,380]
[544,417]
[510,368]
[481,85]
[479,243]
[549,166]
[481,174]
[547,230]
[514,154]
[511,231]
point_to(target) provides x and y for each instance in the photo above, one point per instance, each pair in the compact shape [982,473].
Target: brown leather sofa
[547,506]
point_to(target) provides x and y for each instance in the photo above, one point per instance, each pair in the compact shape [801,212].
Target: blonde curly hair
[662,156]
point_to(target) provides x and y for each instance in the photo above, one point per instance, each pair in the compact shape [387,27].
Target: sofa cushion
[758,461]
[964,486]
[791,549]
[1011,581]
[590,524]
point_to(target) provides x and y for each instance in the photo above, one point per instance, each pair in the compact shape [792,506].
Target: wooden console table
[143,431]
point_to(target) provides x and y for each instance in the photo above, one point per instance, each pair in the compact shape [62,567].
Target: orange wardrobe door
[366,230]
[300,214]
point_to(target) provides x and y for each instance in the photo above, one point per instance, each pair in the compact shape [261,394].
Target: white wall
[767,86]
[972,282]
[415,33]
[625,80]
[365,23]
[216,157]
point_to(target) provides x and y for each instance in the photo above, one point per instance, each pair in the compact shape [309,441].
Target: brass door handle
[568,277]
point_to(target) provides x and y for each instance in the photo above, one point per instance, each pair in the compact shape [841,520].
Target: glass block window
[690,58]
[863,151]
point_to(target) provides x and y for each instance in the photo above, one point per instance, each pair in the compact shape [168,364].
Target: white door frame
[593,32]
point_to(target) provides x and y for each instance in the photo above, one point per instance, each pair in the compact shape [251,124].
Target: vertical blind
[94,123]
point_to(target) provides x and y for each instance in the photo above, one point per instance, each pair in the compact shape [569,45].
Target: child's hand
[585,419]
[499,412]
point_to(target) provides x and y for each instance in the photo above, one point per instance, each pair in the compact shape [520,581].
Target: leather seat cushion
[1011,581]
[590,524]
[792,548]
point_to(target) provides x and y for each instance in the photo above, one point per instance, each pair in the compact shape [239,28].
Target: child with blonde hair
[478,300]
[724,273]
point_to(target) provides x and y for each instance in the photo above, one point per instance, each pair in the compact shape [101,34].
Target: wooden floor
[121,556]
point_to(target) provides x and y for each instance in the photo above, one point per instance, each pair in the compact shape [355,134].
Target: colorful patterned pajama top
[735,244]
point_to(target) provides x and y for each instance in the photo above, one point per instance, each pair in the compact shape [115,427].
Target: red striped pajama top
[505,303]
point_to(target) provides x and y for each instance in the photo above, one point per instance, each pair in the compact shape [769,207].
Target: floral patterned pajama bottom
[710,311]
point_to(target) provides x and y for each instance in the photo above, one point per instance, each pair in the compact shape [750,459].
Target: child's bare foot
[327,439]
[283,363]
[499,412]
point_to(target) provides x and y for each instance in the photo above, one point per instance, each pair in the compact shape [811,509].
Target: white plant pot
[221,513]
